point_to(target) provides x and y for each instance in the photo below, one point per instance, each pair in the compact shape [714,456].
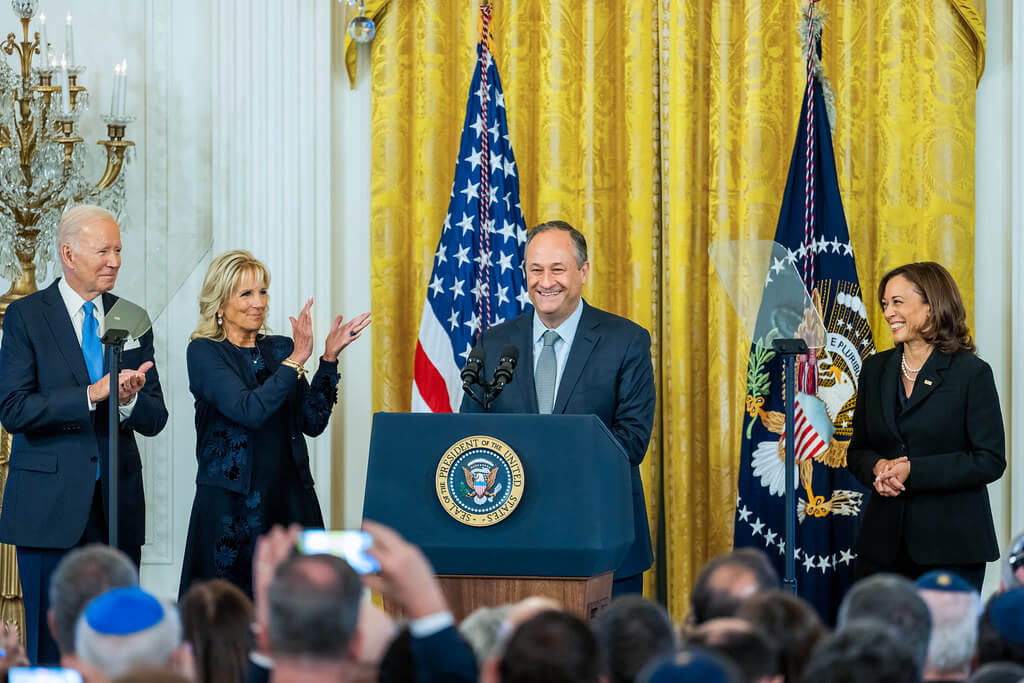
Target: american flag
[477,279]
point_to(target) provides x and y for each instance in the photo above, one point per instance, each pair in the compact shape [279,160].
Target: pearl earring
[220,319]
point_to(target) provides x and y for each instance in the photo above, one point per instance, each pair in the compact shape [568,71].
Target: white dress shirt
[74,302]
[566,333]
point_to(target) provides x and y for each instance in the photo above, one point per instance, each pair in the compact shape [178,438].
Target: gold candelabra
[41,163]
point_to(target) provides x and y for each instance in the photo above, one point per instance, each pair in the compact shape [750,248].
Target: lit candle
[65,89]
[69,43]
[123,90]
[44,63]
[114,98]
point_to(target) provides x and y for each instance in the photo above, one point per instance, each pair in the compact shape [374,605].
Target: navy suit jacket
[608,373]
[951,428]
[57,440]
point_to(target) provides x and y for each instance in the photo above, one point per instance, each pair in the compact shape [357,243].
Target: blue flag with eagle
[812,228]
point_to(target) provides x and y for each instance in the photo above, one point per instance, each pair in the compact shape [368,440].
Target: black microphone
[506,367]
[474,364]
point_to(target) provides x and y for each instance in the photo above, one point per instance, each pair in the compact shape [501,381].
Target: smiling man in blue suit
[577,359]
[53,400]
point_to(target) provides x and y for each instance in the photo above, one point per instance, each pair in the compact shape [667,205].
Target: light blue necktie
[544,375]
[92,350]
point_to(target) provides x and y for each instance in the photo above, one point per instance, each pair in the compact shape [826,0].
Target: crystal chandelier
[41,161]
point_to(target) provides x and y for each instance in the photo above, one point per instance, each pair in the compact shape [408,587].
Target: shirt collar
[566,331]
[73,300]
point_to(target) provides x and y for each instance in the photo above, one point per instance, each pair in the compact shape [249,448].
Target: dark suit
[608,373]
[951,429]
[57,441]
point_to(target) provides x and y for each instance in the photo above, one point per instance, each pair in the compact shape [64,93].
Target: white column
[272,160]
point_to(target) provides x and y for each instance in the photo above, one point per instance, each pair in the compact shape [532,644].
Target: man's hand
[129,383]
[272,549]
[405,575]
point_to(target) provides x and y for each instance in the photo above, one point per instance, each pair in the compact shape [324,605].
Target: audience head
[954,606]
[398,664]
[691,665]
[125,629]
[792,623]
[1013,564]
[863,651]
[223,278]
[550,647]
[217,619]
[894,601]
[726,581]
[82,575]
[482,628]
[313,605]
[1001,628]
[756,656]
[631,633]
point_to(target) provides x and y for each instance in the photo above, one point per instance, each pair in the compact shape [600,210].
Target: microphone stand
[114,341]
[789,349]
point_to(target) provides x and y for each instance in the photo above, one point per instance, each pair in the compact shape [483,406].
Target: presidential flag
[812,228]
[477,279]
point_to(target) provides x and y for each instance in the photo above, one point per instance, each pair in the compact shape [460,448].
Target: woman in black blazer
[927,435]
[253,406]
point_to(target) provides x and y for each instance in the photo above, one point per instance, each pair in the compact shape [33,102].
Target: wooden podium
[571,528]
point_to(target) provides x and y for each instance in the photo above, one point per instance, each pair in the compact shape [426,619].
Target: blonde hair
[219,284]
[72,222]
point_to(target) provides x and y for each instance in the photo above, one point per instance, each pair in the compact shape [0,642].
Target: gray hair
[313,608]
[894,601]
[482,629]
[579,242]
[83,574]
[72,222]
[954,628]
[117,654]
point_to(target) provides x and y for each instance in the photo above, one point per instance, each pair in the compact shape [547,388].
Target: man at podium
[577,359]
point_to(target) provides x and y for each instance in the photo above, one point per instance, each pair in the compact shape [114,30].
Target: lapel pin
[928,382]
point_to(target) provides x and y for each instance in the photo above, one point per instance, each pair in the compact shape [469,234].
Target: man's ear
[355,645]
[51,621]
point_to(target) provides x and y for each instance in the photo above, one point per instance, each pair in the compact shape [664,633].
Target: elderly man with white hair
[54,392]
[954,606]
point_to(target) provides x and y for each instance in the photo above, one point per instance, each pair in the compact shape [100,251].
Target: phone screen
[351,546]
[40,674]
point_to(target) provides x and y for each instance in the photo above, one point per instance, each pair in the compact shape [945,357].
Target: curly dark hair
[946,327]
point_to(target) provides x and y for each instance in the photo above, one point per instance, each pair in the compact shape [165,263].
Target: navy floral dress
[251,414]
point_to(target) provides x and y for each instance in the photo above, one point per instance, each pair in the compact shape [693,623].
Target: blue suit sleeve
[634,412]
[444,658]
[212,379]
[23,406]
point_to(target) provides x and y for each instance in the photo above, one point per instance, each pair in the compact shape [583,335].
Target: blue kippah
[688,665]
[1006,612]
[941,580]
[123,611]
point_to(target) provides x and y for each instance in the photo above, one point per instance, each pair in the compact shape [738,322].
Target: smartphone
[351,546]
[41,674]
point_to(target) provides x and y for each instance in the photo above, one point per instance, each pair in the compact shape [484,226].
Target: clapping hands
[340,335]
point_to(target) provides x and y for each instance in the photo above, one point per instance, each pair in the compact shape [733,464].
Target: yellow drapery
[656,128]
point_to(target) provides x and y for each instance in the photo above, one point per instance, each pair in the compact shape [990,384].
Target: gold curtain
[656,128]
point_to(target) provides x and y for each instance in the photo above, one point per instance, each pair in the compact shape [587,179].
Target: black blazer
[608,373]
[230,402]
[951,428]
[57,439]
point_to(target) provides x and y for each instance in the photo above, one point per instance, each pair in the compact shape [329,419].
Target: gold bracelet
[299,370]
